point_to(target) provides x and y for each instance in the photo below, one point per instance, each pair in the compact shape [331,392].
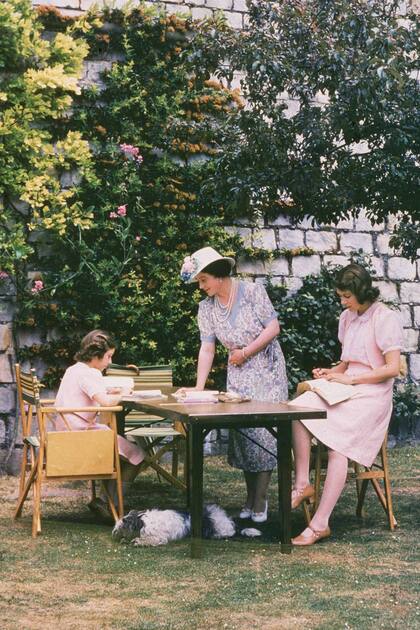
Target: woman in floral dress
[241,317]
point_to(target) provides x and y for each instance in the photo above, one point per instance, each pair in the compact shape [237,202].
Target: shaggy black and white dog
[158,527]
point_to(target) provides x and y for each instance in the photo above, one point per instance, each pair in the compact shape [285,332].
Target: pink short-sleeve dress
[356,427]
[77,388]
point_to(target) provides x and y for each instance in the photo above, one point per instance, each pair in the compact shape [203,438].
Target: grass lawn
[75,576]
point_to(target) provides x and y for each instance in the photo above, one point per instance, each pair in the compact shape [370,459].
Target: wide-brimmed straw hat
[200,260]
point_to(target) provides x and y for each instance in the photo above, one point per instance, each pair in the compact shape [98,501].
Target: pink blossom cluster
[131,152]
[121,212]
[38,286]
[3,275]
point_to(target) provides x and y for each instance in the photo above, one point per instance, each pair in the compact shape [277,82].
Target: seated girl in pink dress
[371,338]
[84,386]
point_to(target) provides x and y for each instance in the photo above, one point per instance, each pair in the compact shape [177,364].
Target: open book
[330,391]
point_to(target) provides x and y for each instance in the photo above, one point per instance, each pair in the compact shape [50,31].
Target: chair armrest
[47,401]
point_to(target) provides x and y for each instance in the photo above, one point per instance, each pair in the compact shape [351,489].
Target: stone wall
[235,10]
[397,278]
[7,387]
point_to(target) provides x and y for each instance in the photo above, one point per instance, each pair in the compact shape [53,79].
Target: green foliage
[406,238]
[406,411]
[153,128]
[258,253]
[38,83]
[351,139]
[309,325]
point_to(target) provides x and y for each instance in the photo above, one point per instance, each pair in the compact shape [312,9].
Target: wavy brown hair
[94,344]
[357,280]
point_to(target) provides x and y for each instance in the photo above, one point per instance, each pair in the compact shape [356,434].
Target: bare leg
[128,474]
[333,487]
[129,471]
[262,481]
[301,439]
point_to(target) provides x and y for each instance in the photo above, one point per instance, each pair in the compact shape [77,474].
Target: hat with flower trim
[198,261]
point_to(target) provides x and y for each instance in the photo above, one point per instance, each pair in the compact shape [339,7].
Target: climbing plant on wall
[153,127]
[37,87]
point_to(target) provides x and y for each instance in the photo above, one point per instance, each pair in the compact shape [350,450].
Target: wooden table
[200,418]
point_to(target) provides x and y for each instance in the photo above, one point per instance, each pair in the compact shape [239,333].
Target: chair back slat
[145,376]
[28,386]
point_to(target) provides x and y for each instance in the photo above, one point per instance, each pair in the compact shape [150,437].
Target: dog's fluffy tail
[216,523]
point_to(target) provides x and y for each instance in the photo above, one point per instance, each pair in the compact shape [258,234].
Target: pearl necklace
[222,311]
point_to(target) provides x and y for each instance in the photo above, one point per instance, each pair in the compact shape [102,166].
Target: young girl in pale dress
[84,386]
[371,338]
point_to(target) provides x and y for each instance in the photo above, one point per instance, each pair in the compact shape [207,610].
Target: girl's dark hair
[94,344]
[218,269]
[357,280]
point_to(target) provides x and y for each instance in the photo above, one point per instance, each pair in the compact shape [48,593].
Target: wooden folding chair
[155,435]
[362,475]
[63,455]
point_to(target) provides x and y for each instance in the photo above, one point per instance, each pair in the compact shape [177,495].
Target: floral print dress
[261,377]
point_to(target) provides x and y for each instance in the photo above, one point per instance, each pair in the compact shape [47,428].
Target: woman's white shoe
[245,513]
[260,517]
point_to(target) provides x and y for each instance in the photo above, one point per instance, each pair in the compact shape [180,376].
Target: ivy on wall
[142,146]
[39,80]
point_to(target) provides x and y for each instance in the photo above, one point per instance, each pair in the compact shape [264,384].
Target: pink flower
[138,237]
[3,275]
[128,149]
[38,286]
[131,152]
[122,210]
[113,215]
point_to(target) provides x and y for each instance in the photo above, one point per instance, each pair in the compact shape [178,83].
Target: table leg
[120,416]
[284,468]
[195,435]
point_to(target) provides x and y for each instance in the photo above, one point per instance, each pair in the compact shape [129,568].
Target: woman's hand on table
[237,356]
[183,390]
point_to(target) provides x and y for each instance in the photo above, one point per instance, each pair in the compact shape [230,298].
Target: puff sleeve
[388,331]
